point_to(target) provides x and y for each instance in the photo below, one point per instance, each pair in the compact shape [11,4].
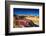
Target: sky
[22,11]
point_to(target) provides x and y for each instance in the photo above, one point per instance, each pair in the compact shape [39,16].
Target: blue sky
[20,11]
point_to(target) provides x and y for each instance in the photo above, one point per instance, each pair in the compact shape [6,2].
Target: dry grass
[35,19]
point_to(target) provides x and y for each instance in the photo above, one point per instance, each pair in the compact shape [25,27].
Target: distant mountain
[23,15]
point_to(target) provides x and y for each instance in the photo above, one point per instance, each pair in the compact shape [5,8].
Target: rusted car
[22,22]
